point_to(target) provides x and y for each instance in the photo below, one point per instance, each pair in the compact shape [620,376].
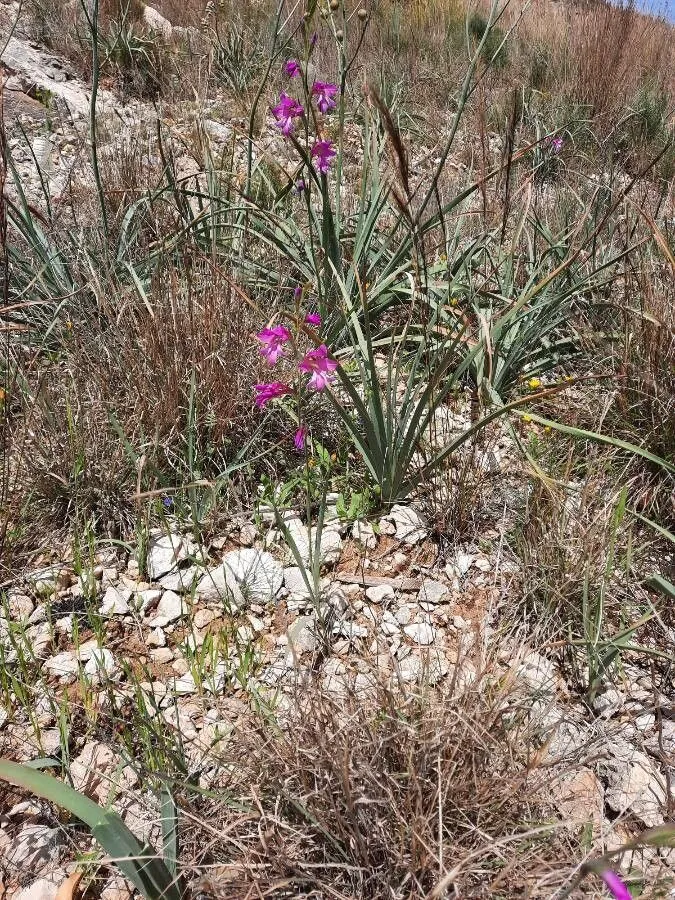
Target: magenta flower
[616,886]
[297,292]
[313,319]
[273,340]
[292,68]
[300,438]
[270,391]
[556,144]
[319,365]
[285,111]
[299,186]
[323,152]
[325,93]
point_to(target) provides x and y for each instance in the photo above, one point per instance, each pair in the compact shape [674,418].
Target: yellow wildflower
[534,383]
[527,418]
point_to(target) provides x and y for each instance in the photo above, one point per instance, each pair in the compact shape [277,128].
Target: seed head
[362,14]
[335,5]
[339,34]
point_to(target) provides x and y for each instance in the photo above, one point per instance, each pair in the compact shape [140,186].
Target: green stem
[95,67]
[258,97]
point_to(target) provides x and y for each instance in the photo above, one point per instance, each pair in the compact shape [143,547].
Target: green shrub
[540,76]
[650,111]
[494,50]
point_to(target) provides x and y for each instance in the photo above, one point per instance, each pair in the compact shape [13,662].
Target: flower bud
[362,14]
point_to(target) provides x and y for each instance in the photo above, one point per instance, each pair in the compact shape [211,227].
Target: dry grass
[594,56]
[598,53]
[646,361]
[374,794]
[174,376]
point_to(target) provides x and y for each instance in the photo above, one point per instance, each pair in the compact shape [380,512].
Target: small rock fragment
[302,635]
[380,593]
[63,665]
[363,532]
[42,889]
[20,606]
[295,584]
[181,580]
[115,601]
[148,599]
[433,592]
[220,584]
[247,535]
[579,798]
[170,608]
[204,617]
[421,633]
[305,542]
[100,665]
[403,615]
[634,784]
[409,525]
[256,573]
[165,552]
[156,638]
[35,847]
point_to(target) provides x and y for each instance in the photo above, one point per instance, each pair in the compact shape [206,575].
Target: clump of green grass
[494,51]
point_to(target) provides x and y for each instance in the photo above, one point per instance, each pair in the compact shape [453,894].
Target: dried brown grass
[595,55]
[645,400]
[173,372]
[379,794]
[599,52]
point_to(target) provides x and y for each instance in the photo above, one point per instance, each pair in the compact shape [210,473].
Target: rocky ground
[389,608]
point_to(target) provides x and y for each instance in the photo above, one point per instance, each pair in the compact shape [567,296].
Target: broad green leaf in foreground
[138,862]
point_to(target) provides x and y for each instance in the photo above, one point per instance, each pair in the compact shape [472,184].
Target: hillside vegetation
[337,507]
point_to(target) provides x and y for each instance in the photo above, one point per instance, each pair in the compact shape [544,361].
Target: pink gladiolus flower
[556,144]
[313,319]
[270,391]
[616,886]
[323,152]
[285,111]
[292,68]
[300,438]
[319,365]
[325,93]
[272,340]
